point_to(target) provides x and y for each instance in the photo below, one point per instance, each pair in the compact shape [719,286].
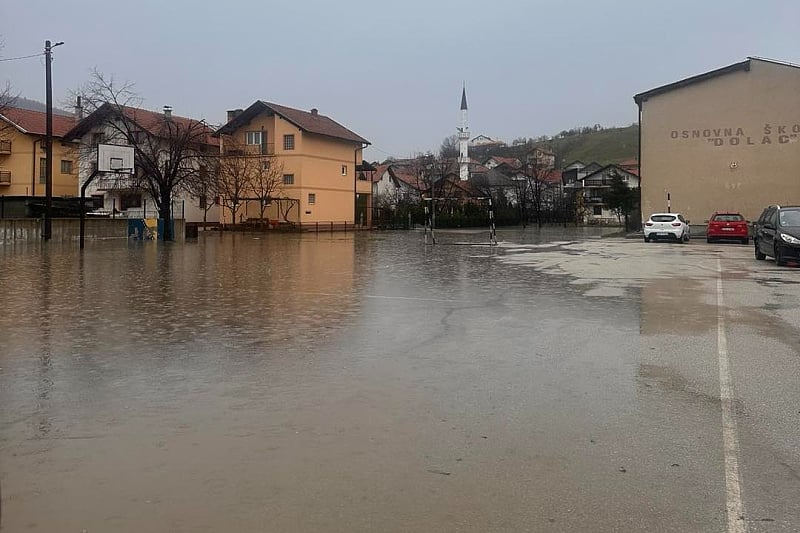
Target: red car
[728,226]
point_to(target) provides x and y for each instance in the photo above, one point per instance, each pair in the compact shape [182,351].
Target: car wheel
[709,240]
[759,255]
[647,239]
[779,260]
[745,241]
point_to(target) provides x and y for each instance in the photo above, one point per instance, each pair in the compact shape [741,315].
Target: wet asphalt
[556,382]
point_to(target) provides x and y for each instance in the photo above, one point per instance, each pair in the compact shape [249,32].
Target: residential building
[573,173]
[593,187]
[722,140]
[23,159]
[318,156]
[543,157]
[485,141]
[395,183]
[155,136]
[496,161]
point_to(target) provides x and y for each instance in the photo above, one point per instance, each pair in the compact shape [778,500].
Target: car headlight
[789,239]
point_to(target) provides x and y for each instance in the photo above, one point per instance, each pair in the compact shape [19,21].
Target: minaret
[463,139]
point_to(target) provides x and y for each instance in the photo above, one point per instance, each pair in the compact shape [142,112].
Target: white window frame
[250,136]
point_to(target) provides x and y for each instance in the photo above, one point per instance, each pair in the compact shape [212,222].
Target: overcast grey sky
[392,71]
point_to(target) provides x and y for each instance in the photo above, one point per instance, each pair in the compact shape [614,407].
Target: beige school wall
[731,142]
[317,165]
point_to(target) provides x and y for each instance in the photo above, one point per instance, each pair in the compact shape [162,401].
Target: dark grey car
[777,234]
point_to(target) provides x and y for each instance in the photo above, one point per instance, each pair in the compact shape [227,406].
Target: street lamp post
[47,233]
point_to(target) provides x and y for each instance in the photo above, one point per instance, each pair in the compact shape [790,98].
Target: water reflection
[312,376]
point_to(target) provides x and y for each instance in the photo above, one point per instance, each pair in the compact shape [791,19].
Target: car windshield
[728,218]
[662,218]
[790,217]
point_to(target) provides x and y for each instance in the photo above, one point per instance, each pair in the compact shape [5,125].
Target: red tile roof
[35,122]
[311,122]
[553,177]
[143,118]
[513,162]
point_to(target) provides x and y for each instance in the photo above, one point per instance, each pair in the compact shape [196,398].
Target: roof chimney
[168,112]
[233,113]
[79,108]
[315,111]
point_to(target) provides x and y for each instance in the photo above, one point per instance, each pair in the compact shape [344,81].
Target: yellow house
[318,158]
[22,154]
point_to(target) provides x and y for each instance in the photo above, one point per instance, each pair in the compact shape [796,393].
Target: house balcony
[5,147]
[597,183]
[253,150]
[113,182]
[5,177]
[594,199]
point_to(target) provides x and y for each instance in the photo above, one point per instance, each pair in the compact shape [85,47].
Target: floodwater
[344,382]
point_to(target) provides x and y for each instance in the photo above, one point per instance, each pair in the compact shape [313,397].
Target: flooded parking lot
[555,382]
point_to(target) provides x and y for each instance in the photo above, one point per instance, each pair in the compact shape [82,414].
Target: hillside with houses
[588,143]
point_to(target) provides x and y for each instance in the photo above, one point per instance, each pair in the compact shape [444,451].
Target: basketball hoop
[115,158]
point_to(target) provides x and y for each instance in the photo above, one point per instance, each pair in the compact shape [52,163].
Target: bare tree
[205,188]
[266,182]
[536,172]
[237,173]
[169,152]
[521,191]
[7,97]
[449,148]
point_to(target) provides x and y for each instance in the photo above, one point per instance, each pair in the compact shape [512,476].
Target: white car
[667,226]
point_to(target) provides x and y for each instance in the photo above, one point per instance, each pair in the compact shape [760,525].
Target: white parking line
[730,436]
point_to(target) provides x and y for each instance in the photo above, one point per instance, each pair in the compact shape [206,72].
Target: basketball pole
[83,206]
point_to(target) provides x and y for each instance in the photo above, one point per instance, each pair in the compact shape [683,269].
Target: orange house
[23,159]
[318,157]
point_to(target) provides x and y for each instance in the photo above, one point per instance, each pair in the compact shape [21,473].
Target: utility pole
[47,232]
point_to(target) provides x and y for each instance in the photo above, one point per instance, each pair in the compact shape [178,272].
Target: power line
[21,57]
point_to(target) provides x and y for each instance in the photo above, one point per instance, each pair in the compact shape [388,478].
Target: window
[790,217]
[728,218]
[203,201]
[662,218]
[42,170]
[344,170]
[288,179]
[265,164]
[66,166]
[312,198]
[773,217]
[97,138]
[130,200]
[288,142]
[597,210]
[252,137]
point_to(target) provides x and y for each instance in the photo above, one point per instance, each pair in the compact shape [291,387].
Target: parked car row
[776,233]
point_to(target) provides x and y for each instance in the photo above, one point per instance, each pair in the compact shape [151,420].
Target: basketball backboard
[115,158]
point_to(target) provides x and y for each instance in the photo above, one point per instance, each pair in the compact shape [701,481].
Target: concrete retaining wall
[68,229]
